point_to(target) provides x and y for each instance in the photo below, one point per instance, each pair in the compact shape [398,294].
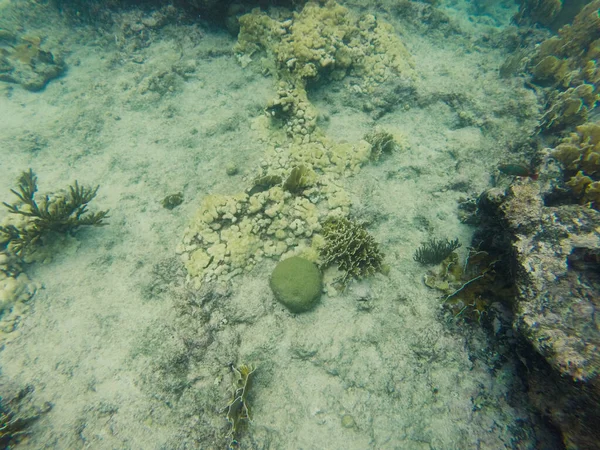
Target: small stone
[232,169]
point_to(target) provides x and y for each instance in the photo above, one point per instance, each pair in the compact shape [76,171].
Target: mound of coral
[298,185]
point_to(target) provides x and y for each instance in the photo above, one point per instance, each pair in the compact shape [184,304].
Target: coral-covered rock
[556,265]
[22,61]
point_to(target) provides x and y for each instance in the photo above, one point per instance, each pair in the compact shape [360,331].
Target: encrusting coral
[22,61]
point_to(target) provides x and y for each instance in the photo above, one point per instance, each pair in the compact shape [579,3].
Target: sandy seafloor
[130,357]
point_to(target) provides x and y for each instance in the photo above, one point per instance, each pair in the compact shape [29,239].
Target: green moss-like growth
[238,409]
[381,142]
[435,251]
[297,283]
[56,214]
[352,248]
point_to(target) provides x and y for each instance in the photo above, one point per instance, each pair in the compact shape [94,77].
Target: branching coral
[56,214]
[352,248]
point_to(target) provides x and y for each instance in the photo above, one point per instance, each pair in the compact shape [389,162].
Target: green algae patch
[297,283]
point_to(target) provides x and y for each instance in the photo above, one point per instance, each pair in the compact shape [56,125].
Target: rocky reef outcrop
[553,253]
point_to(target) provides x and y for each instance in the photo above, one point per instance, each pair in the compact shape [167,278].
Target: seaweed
[56,214]
[13,425]
[300,178]
[238,410]
[172,201]
[435,251]
[381,142]
[470,289]
[264,183]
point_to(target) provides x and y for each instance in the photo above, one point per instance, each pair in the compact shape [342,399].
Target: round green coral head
[297,283]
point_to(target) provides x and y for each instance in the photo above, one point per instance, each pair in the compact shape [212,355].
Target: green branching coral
[352,248]
[56,214]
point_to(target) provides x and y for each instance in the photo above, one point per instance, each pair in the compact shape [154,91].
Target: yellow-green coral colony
[568,63]
[298,187]
[580,155]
